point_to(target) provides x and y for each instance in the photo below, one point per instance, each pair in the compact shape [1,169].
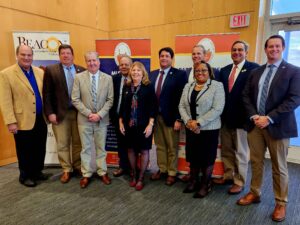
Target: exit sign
[240,20]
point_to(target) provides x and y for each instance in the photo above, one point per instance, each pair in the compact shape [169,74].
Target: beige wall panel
[209,26]
[7,145]
[178,10]
[135,13]
[103,15]
[5,3]
[212,8]
[239,6]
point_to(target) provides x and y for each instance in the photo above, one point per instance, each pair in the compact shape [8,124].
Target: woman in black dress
[138,111]
[200,107]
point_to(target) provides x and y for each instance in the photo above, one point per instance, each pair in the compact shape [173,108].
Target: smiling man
[22,111]
[169,83]
[92,96]
[235,148]
[60,112]
[271,95]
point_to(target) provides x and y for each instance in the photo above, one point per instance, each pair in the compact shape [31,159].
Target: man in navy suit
[119,81]
[235,148]
[169,83]
[270,96]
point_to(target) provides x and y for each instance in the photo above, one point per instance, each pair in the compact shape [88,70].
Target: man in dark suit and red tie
[57,89]
[270,97]
[169,83]
[234,142]
[119,81]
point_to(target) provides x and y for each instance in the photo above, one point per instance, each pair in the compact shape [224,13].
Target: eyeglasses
[201,71]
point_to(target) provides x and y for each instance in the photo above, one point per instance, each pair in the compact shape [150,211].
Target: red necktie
[231,78]
[159,84]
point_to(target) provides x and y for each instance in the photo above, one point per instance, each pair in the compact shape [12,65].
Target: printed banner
[218,48]
[110,52]
[45,52]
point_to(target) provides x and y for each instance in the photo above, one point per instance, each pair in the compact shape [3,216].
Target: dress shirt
[97,78]
[166,71]
[73,71]
[238,69]
[38,100]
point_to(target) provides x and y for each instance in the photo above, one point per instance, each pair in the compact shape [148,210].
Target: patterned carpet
[117,204]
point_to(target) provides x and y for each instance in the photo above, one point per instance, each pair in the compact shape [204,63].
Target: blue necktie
[264,92]
[70,80]
[94,94]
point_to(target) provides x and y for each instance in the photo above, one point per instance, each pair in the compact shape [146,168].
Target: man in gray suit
[270,97]
[57,90]
[92,96]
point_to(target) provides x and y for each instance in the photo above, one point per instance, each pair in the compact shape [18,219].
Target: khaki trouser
[235,154]
[259,140]
[68,142]
[166,140]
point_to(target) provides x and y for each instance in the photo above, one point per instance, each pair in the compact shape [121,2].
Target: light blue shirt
[263,77]
[73,71]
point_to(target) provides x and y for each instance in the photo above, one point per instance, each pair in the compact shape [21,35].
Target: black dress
[201,149]
[146,109]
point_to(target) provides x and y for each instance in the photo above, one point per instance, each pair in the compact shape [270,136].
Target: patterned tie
[159,84]
[231,78]
[264,92]
[70,80]
[94,93]
[121,93]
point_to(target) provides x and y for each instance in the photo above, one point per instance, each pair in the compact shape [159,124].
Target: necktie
[121,93]
[264,92]
[231,78]
[70,80]
[159,84]
[94,93]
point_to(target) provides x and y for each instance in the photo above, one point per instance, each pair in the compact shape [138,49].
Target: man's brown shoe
[84,182]
[118,172]
[248,199]
[156,176]
[170,180]
[65,177]
[279,213]
[235,189]
[105,179]
[221,181]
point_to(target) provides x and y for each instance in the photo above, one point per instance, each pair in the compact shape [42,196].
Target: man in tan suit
[22,111]
[93,96]
[60,112]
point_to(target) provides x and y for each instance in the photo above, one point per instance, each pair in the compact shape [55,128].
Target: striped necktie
[94,93]
[264,91]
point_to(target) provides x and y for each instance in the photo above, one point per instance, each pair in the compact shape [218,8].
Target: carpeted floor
[117,204]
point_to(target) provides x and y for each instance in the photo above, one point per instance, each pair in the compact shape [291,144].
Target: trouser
[31,149]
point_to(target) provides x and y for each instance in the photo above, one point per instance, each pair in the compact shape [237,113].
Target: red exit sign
[240,20]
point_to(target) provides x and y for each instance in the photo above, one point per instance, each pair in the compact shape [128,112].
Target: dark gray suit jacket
[283,98]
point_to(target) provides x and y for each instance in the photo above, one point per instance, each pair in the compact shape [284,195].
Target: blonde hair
[145,79]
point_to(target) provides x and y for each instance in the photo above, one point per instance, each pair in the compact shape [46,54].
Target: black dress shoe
[28,182]
[43,176]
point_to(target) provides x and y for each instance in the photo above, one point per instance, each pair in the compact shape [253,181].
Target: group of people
[251,107]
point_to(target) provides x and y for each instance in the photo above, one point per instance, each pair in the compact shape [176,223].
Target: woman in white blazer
[200,107]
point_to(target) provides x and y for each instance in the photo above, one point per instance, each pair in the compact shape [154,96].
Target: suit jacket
[17,100]
[283,98]
[113,111]
[234,114]
[170,94]
[82,97]
[147,105]
[210,103]
[55,90]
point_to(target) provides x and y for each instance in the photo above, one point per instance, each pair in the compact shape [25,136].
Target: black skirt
[201,149]
[135,139]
